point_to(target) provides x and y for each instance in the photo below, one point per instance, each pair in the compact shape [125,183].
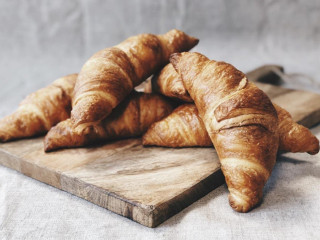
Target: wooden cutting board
[147,185]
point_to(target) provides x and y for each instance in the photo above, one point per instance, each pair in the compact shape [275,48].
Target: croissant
[168,83]
[184,128]
[40,110]
[188,130]
[131,118]
[293,136]
[240,120]
[111,74]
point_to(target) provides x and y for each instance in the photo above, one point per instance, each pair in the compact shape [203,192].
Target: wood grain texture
[304,106]
[147,185]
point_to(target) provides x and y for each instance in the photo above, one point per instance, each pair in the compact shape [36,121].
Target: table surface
[290,210]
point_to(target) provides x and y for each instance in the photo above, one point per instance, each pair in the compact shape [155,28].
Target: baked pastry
[293,136]
[240,120]
[130,119]
[111,74]
[168,83]
[184,128]
[40,110]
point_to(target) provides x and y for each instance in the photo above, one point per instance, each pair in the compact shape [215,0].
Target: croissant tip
[194,41]
[3,136]
[47,145]
[315,149]
[49,142]
[313,152]
[182,32]
[46,150]
[50,147]
[241,205]
[144,142]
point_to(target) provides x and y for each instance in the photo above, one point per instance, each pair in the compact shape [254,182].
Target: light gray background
[41,40]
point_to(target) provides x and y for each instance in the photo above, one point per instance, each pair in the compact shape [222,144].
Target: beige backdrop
[41,40]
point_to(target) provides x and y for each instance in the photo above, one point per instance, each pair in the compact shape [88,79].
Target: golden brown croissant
[293,136]
[131,118]
[184,128]
[111,74]
[168,83]
[40,110]
[240,120]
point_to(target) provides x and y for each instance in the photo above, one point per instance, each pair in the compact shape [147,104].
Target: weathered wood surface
[303,105]
[147,185]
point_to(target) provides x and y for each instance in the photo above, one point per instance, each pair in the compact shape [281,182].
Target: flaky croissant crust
[111,74]
[131,118]
[182,128]
[292,136]
[40,110]
[244,133]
